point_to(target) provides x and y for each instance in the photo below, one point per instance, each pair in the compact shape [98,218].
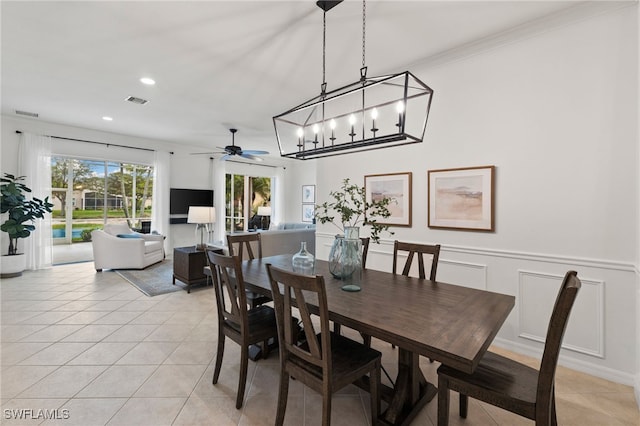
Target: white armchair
[118,247]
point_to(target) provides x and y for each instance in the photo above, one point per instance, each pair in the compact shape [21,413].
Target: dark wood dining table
[448,323]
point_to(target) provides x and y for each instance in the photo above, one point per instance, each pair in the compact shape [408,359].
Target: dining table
[448,323]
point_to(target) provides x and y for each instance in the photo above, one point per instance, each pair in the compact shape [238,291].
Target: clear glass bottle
[303,262]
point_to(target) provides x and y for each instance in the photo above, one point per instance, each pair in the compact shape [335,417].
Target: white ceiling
[219,64]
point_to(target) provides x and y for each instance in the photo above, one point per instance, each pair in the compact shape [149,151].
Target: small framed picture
[308,212]
[396,187]
[308,193]
[461,198]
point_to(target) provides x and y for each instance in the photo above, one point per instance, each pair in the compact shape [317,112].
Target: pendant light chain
[324,45]
[323,87]
[364,25]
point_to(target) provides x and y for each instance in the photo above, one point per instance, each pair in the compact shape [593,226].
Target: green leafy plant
[22,211]
[351,208]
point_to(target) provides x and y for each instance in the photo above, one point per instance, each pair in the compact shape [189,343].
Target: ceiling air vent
[27,113]
[135,100]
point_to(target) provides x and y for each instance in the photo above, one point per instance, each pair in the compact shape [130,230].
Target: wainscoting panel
[537,295]
[466,274]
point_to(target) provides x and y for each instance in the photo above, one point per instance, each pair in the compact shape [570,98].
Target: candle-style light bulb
[332,126]
[400,109]
[315,129]
[352,121]
[374,115]
[300,133]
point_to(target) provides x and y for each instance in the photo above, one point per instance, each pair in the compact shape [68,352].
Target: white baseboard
[606,373]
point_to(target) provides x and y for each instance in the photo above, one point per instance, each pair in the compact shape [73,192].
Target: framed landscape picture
[461,198]
[397,187]
[308,212]
[308,193]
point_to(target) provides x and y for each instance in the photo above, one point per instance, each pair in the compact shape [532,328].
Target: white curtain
[277,195]
[34,163]
[161,184]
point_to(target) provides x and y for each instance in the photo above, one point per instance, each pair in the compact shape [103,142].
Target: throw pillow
[128,236]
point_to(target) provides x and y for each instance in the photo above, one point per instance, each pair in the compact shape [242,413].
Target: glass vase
[345,259]
[303,262]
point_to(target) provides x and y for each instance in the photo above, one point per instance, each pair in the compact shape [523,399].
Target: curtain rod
[99,143]
[252,164]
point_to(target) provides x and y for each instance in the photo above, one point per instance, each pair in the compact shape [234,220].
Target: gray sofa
[287,240]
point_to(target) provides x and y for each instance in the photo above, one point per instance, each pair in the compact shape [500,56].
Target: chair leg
[216,371]
[443,401]
[283,394]
[242,382]
[265,349]
[374,389]
[326,408]
[336,328]
[464,406]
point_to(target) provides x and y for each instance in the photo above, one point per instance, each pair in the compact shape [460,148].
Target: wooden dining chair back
[238,244]
[244,326]
[365,250]
[509,384]
[326,362]
[418,250]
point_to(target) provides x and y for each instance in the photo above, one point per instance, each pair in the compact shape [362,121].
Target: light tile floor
[91,347]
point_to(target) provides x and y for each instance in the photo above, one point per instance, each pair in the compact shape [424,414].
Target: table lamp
[202,217]
[265,213]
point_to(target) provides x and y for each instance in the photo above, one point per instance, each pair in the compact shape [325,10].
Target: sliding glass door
[244,196]
[88,193]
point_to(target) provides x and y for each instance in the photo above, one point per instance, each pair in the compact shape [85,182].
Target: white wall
[299,173]
[557,114]
[637,383]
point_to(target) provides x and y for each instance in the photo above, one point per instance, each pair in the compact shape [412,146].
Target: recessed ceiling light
[105,118]
[148,81]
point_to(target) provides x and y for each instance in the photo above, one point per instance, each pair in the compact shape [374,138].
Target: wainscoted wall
[597,338]
[567,183]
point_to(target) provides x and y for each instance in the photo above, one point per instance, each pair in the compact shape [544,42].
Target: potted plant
[349,205]
[22,213]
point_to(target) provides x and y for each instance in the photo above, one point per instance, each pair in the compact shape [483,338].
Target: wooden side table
[188,265]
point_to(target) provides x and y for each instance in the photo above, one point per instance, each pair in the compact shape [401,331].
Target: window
[87,193]
[244,194]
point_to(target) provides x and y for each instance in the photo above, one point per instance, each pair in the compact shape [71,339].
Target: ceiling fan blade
[250,156]
[254,152]
[225,157]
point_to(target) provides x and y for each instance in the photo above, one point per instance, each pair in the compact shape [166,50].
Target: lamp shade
[198,214]
[264,211]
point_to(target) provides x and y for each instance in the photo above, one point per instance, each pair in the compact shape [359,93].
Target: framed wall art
[461,198]
[308,193]
[396,186]
[308,212]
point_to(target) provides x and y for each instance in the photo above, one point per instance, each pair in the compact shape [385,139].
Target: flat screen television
[181,199]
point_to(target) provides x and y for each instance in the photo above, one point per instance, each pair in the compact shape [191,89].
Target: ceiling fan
[234,150]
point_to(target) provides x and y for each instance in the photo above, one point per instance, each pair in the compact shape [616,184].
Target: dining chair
[418,250]
[244,326]
[326,362]
[508,384]
[238,244]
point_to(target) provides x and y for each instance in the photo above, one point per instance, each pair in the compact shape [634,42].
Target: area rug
[155,280]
